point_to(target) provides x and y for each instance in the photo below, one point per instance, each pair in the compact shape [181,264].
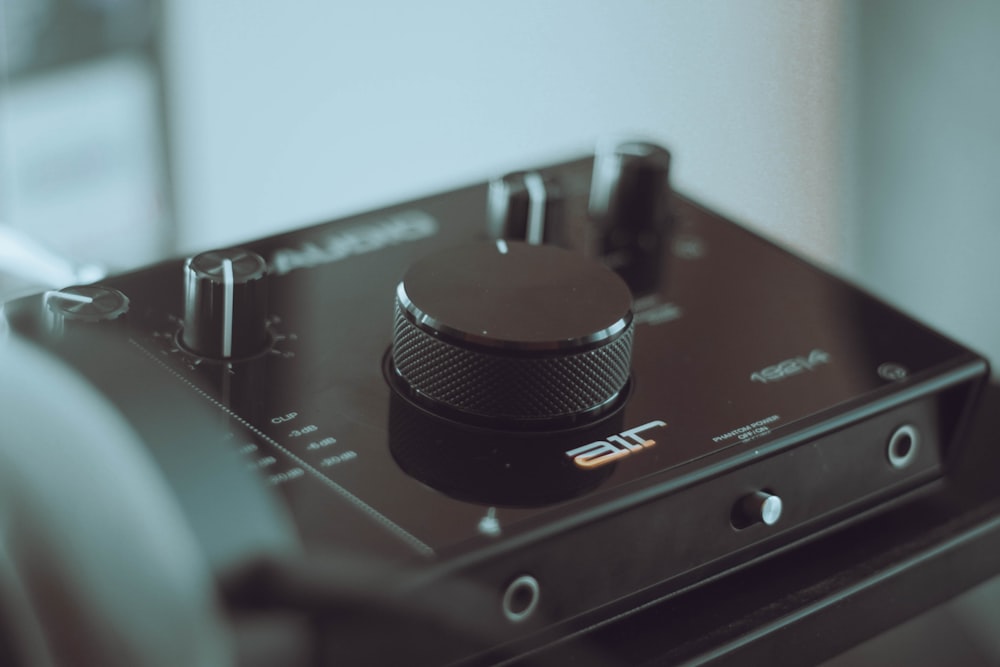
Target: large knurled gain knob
[512,332]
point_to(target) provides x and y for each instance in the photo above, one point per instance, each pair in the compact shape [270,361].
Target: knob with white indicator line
[630,203]
[225,304]
[84,305]
[526,206]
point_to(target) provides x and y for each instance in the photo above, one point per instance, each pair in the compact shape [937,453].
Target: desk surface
[816,601]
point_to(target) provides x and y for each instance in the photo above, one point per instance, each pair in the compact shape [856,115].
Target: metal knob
[757,507]
[512,332]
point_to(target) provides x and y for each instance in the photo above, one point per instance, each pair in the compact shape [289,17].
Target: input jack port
[903,445]
[520,599]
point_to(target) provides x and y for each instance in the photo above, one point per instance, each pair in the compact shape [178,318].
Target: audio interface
[573,387]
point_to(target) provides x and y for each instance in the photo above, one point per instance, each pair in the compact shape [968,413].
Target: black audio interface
[573,386]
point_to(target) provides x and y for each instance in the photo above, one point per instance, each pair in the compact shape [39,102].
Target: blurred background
[863,134]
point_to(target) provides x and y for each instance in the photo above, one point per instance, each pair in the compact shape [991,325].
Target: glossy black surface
[810,604]
[740,349]
[516,297]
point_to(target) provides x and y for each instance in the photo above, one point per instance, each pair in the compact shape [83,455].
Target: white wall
[927,164]
[291,113]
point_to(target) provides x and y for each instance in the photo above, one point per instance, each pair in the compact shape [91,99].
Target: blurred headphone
[130,534]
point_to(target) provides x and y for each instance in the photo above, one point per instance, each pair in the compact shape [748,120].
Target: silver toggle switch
[757,507]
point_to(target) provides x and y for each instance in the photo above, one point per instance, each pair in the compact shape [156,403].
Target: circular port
[903,445]
[521,598]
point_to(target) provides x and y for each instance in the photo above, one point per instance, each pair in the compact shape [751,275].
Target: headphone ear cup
[234,517]
[98,564]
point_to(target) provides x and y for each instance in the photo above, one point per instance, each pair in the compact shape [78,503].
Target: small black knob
[512,332]
[526,206]
[83,305]
[630,202]
[225,304]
